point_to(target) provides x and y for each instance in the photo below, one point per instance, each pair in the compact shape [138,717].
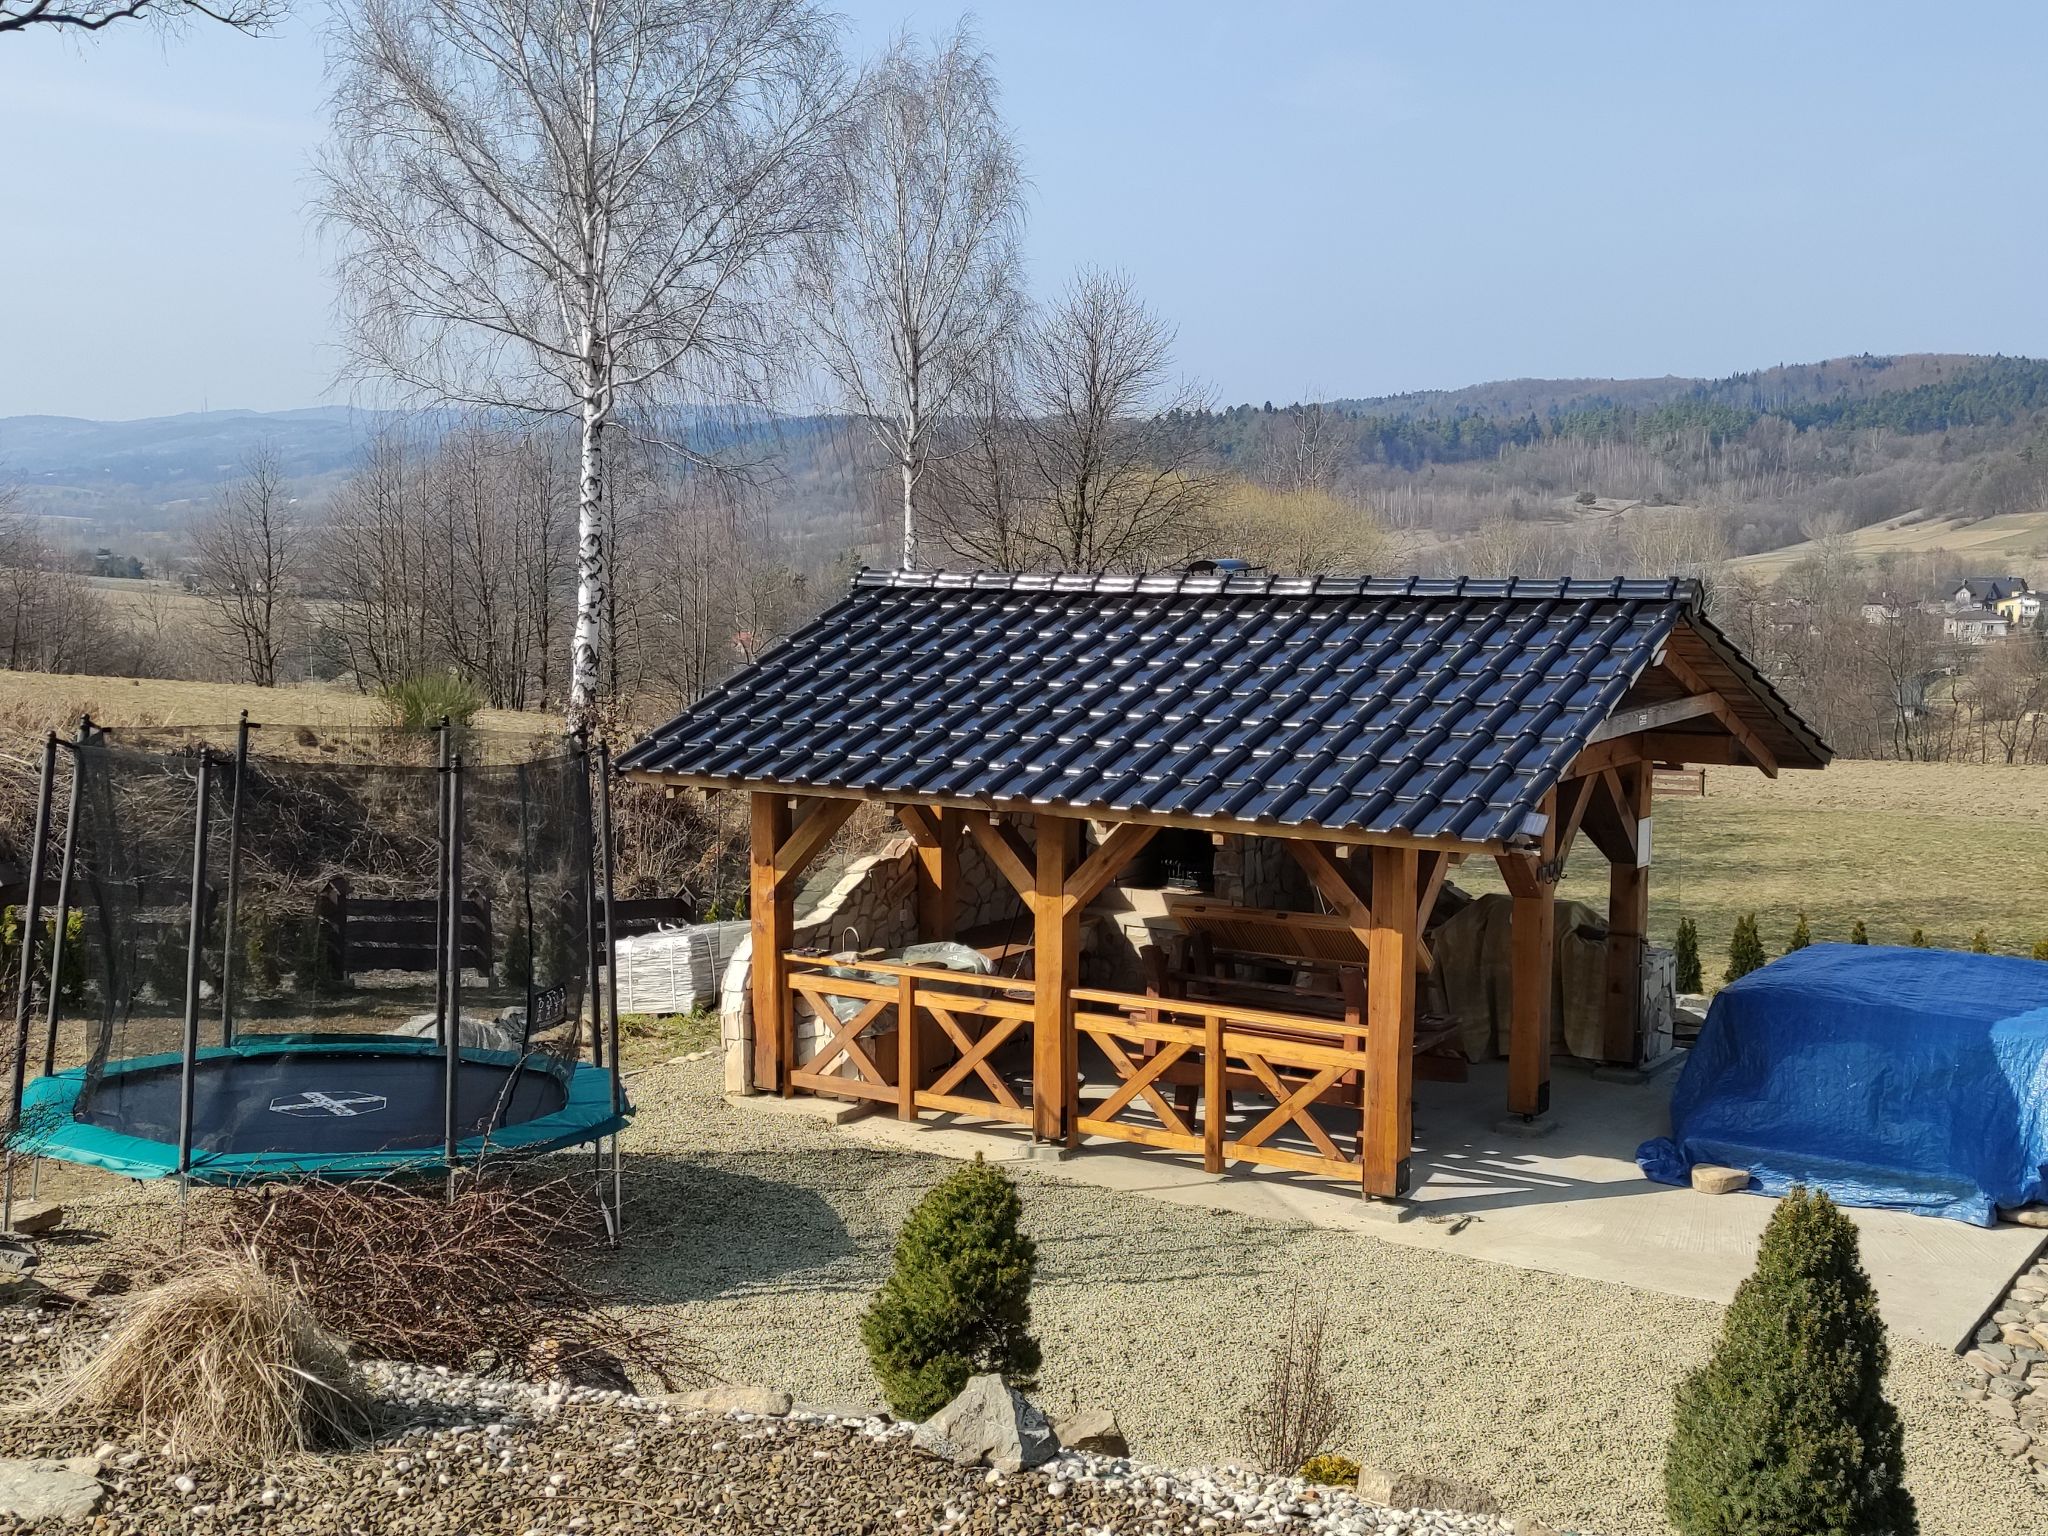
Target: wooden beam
[1056,954]
[821,820]
[937,835]
[1107,861]
[1532,957]
[1725,712]
[1628,921]
[1652,717]
[1388,1131]
[1335,885]
[772,913]
[1215,825]
[1624,749]
[1010,854]
[1431,869]
[1574,795]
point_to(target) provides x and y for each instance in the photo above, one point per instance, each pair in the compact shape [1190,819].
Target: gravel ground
[758,1237]
[763,1234]
[462,1457]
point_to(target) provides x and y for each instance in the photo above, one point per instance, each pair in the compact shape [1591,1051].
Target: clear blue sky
[1340,199]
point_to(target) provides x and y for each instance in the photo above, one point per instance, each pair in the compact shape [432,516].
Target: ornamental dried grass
[225,1361]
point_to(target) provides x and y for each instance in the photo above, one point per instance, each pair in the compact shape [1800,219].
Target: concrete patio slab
[1571,1203]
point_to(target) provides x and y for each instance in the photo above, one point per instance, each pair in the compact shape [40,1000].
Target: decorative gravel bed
[758,1238]
[464,1456]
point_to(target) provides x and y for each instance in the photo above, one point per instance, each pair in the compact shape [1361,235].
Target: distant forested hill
[1767,455]
[1763,458]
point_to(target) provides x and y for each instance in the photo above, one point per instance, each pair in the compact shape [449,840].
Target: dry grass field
[2012,541]
[31,702]
[1949,848]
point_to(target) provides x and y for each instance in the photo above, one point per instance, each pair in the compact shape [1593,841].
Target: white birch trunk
[593,575]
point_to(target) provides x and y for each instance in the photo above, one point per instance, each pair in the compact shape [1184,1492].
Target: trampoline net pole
[611,974]
[31,923]
[195,948]
[227,940]
[452,1061]
[66,862]
[591,967]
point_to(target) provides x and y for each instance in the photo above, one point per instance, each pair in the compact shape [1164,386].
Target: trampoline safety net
[357,918]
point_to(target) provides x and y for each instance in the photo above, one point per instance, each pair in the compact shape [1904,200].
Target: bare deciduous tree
[93,15]
[909,295]
[1118,475]
[577,208]
[980,502]
[249,554]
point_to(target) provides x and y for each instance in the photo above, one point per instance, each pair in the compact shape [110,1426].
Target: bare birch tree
[93,15]
[250,555]
[577,208]
[909,294]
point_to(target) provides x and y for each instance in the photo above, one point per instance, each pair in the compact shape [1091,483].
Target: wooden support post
[1056,946]
[937,835]
[1532,944]
[1389,1088]
[772,908]
[1215,1097]
[1628,921]
[907,1066]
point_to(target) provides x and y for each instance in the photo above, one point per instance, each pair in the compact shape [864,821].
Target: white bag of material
[674,970]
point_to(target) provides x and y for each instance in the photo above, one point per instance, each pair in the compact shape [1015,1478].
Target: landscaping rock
[759,1401]
[35,1216]
[1093,1430]
[2025,1215]
[988,1424]
[1417,1490]
[1710,1179]
[44,1489]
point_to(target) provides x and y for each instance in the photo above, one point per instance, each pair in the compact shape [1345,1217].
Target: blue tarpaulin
[1915,1079]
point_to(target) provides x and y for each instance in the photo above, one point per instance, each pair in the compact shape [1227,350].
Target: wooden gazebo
[1382,730]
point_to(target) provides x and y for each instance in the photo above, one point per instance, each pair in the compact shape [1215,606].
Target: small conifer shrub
[958,1303]
[1919,939]
[1686,951]
[1859,934]
[1802,935]
[1745,950]
[1786,1428]
[1980,943]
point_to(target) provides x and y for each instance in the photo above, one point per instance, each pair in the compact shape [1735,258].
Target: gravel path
[763,1234]
[758,1237]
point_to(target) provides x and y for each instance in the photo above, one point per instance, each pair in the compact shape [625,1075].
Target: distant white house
[1975,626]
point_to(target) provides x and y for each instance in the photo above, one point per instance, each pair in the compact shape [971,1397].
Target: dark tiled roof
[1436,709]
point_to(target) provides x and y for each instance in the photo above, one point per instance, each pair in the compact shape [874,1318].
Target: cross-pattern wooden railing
[975,1015]
[1156,1043]
[1165,1052]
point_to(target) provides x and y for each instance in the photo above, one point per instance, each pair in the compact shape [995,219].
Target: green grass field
[1943,847]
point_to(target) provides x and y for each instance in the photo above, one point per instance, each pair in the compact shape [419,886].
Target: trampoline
[369,956]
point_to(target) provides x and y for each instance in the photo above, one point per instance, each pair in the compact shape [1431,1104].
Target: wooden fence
[925,1039]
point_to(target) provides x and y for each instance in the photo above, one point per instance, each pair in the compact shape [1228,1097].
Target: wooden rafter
[824,818]
[1005,849]
[1723,711]
[1107,861]
[1336,886]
